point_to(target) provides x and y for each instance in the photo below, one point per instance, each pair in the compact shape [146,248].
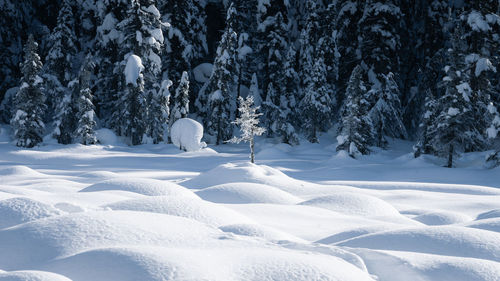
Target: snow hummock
[147,187]
[186,134]
[133,69]
[20,210]
[244,193]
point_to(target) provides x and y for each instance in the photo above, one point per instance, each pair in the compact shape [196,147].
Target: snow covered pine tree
[29,102]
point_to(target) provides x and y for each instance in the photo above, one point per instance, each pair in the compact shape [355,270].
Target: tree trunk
[450,157]
[252,157]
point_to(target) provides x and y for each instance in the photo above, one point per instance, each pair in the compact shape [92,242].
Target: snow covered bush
[186,134]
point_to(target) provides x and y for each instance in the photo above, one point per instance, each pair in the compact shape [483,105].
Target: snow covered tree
[456,129]
[29,102]
[161,107]
[254,91]
[386,113]
[308,39]
[317,103]
[356,129]
[180,102]
[276,46]
[427,128]
[493,132]
[185,42]
[221,102]
[248,123]
[59,74]
[379,40]
[348,12]
[85,129]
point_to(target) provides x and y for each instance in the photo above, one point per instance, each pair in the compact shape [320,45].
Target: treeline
[423,70]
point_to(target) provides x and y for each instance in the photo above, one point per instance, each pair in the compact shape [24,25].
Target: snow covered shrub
[186,134]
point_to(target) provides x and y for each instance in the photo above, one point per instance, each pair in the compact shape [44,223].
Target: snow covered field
[152,212]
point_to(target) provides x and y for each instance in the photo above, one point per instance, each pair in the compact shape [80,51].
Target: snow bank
[251,173]
[37,242]
[20,172]
[406,266]
[439,240]
[182,206]
[244,193]
[442,218]
[19,210]
[30,275]
[356,232]
[492,224]
[489,215]
[354,204]
[147,187]
[186,134]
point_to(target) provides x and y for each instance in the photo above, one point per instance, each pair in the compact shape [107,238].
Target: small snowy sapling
[249,124]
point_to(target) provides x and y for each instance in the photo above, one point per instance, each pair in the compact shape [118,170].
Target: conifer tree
[221,104]
[386,113]
[355,131]
[29,102]
[185,42]
[287,118]
[254,91]
[180,102]
[317,102]
[427,128]
[85,130]
[456,130]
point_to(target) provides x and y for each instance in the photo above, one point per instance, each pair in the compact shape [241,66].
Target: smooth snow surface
[111,212]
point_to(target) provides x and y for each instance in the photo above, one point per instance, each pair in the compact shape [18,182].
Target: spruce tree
[180,102]
[85,130]
[427,127]
[456,130]
[386,113]
[221,103]
[317,102]
[356,129]
[288,118]
[254,91]
[185,43]
[29,102]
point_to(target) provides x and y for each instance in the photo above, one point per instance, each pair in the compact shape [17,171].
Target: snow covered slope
[152,212]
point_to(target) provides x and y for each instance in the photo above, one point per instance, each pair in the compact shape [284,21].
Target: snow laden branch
[248,123]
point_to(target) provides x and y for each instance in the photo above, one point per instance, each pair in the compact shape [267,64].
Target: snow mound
[147,187]
[186,134]
[182,206]
[492,224]
[354,204]
[19,210]
[439,240]
[251,173]
[348,234]
[405,266]
[245,193]
[30,275]
[20,171]
[260,231]
[36,242]
[106,136]
[442,218]
[203,72]
[489,215]
[173,263]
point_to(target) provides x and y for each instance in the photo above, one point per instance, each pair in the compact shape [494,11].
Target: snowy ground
[113,212]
